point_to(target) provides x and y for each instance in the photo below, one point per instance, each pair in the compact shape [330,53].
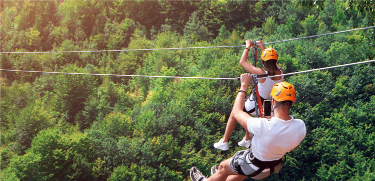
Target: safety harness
[264,164]
[258,163]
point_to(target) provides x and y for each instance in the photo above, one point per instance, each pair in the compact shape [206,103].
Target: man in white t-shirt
[271,141]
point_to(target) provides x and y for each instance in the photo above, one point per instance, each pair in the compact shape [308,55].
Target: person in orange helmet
[272,139]
[270,67]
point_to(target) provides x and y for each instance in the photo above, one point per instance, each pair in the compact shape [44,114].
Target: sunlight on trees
[80,127]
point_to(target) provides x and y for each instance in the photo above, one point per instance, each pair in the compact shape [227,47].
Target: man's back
[273,138]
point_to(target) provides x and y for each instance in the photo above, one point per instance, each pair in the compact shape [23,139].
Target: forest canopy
[82,127]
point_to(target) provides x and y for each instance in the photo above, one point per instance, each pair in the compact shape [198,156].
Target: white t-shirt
[275,137]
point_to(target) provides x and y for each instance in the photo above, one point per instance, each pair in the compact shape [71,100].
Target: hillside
[83,127]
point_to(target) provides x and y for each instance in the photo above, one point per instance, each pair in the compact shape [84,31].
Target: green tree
[26,17]
[29,121]
[54,155]
[104,135]
[364,7]
[270,26]
[223,34]
[71,92]
[310,25]
[133,172]
[194,29]
[118,34]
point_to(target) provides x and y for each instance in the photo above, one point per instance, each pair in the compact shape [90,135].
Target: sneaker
[221,145]
[244,143]
[196,175]
[214,169]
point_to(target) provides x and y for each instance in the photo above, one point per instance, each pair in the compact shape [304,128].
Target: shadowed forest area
[82,127]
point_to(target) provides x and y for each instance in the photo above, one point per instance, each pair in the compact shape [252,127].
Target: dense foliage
[81,127]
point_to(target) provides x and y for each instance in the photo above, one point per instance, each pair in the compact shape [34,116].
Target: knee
[222,167]
[231,114]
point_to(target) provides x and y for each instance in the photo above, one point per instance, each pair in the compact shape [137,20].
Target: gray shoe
[214,169]
[196,175]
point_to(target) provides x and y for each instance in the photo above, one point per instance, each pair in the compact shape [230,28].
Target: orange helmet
[283,91]
[269,54]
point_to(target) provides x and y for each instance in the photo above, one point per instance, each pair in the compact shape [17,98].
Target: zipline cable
[312,36]
[116,75]
[92,51]
[177,77]
[324,68]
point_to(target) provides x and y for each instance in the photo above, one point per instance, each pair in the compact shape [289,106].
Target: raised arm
[237,111]
[262,47]
[245,64]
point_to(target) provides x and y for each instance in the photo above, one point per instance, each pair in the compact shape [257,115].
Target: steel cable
[92,51]
[178,77]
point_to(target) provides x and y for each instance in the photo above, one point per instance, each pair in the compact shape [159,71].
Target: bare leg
[231,125]
[247,135]
[223,171]
[235,178]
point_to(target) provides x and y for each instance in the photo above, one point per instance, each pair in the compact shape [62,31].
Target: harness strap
[261,165]
[260,170]
[272,169]
[259,102]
